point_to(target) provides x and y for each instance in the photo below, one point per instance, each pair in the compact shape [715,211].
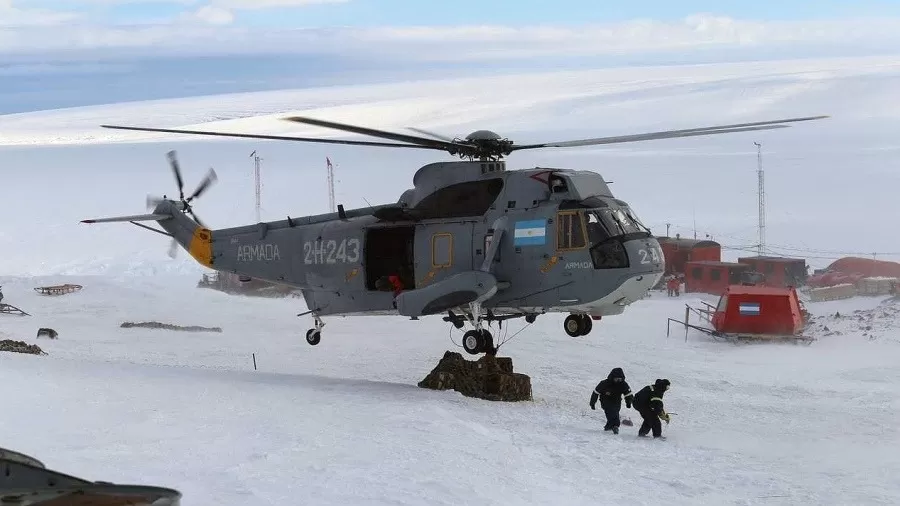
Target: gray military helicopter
[471,239]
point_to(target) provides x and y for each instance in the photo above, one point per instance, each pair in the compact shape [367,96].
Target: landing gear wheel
[530,318]
[587,324]
[478,341]
[313,336]
[488,343]
[472,342]
[575,325]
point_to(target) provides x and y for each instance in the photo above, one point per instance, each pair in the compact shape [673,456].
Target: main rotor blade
[436,136]
[668,134]
[271,137]
[421,141]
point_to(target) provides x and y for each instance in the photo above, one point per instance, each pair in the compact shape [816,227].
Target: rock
[51,333]
[20,347]
[167,326]
[490,378]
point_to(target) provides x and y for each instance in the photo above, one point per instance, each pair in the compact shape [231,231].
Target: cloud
[12,16]
[214,12]
[211,15]
[206,35]
[219,12]
[267,4]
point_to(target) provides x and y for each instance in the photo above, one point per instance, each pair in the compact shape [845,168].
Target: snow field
[344,423]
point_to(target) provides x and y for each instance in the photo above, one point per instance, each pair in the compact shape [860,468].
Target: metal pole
[330,178]
[258,188]
[761,190]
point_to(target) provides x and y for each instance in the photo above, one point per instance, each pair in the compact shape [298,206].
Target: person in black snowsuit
[610,392]
[648,402]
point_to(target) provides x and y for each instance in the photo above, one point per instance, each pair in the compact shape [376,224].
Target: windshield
[606,223]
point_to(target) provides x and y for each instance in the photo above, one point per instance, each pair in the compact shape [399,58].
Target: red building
[714,277]
[778,271]
[758,310]
[677,252]
[852,269]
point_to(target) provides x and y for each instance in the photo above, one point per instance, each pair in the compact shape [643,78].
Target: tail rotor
[184,203]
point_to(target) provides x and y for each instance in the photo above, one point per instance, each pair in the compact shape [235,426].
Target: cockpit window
[597,231]
[617,221]
[570,231]
[635,220]
[605,224]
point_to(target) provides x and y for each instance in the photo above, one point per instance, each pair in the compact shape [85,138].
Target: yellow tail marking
[428,277]
[201,246]
[549,265]
[350,275]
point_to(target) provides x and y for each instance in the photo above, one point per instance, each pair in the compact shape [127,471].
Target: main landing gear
[577,325]
[314,335]
[480,339]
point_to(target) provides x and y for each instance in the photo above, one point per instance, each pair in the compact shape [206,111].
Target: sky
[294,13]
[373,26]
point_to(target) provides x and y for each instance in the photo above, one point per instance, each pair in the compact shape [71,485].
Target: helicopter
[471,239]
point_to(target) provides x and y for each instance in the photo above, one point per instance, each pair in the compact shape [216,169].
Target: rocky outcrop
[167,326]
[20,347]
[490,378]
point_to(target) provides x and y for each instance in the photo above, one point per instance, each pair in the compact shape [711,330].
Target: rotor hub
[483,135]
[488,145]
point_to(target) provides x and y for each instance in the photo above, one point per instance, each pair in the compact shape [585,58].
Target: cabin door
[443,249]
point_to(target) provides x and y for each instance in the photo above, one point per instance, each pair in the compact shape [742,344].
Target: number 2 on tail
[647,258]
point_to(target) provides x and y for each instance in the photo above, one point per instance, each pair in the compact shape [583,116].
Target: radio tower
[761,247]
[330,184]
[256,160]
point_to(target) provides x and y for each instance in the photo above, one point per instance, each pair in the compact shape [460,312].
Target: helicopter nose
[645,255]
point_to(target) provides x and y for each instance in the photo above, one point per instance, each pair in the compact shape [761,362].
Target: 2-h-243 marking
[331,251]
[646,258]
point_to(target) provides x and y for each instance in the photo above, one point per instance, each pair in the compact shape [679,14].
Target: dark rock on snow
[490,378]
[20,347]
[167,326]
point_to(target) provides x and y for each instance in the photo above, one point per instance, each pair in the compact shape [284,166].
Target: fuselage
[571,247]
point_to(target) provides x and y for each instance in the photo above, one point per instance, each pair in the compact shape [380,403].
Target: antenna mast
[761,247]
[256,160]
[330,184]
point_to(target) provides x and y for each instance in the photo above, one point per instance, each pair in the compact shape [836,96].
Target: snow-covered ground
[344,423]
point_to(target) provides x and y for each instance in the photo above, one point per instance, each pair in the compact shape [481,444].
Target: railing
[704,314]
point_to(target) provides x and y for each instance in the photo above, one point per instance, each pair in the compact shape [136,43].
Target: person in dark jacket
[610,392]
[648,402]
